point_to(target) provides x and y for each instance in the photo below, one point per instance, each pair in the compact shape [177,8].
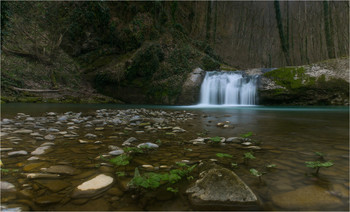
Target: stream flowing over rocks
[83,161]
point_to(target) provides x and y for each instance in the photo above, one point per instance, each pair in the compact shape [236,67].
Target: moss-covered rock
[304,86]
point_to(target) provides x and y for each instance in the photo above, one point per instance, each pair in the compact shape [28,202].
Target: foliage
[146,62]
[174,190]
[8,170]
[209,64]
[132,150]
[154,180]
[256,173]
[120,174]
[247,135]
[158,141]
[317,165]
[215,139]
[121,160]
[249,155]
[234,165]
[271,166]
[222,155]
[320,154]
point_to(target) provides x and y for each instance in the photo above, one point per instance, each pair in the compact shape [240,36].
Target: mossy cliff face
[326,83]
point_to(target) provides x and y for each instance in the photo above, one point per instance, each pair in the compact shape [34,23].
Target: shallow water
[289,136]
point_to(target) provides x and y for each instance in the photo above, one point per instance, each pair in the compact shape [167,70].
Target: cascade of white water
[228,88]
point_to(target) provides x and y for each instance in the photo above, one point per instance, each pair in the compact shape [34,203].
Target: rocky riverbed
[76,161]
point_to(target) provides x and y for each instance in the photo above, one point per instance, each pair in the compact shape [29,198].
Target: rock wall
[191,88]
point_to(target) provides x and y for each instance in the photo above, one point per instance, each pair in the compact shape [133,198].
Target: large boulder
[222,189]
[191,87]
[324,83]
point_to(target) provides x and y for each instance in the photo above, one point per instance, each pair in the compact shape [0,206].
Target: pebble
[5,149]
[40,175]
[116,152]
[83,142]
[41,150]
[48,199]
[61,169]
[147,145]
[6,186]
[17,153]
[23,131]
[90,136]
[50,137]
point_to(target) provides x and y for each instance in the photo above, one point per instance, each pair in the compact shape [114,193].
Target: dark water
[289,136]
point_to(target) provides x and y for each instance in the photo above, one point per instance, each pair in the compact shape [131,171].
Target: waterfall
[228,88]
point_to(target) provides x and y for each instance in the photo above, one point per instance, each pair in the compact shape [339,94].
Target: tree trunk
[284,41]
[327,28]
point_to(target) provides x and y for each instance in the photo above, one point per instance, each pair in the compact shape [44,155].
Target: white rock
[6,186]
[93,187]
[40,150]
[147,145]
[15,153]
[50,137]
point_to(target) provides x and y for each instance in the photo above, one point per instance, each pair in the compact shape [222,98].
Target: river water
[288,136]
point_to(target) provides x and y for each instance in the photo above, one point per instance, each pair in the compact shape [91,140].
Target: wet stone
[41,175]
[23,131]
[116,152]
[17,153]
[32,166]
[233,140]
[50,137]
[147,145]
[93,187]
[53,185]
[61,169]
[304,198]
[48,199]
[223,189]
[6,186]
[41,150]
[90,136]
[2,149]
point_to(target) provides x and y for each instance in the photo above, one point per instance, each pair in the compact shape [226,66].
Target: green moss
[8,99]
[29,99]
[288,77]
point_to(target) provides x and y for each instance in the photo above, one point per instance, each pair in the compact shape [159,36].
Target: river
[288,136]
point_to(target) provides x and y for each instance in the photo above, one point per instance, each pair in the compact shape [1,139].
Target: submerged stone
[23,131]
[48,199]
[54,185]
[61,169]
[17,153]
[222,189]
[306,198]
[116,152]
[93,187]
[41,150]
[6,186]
[41,175]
